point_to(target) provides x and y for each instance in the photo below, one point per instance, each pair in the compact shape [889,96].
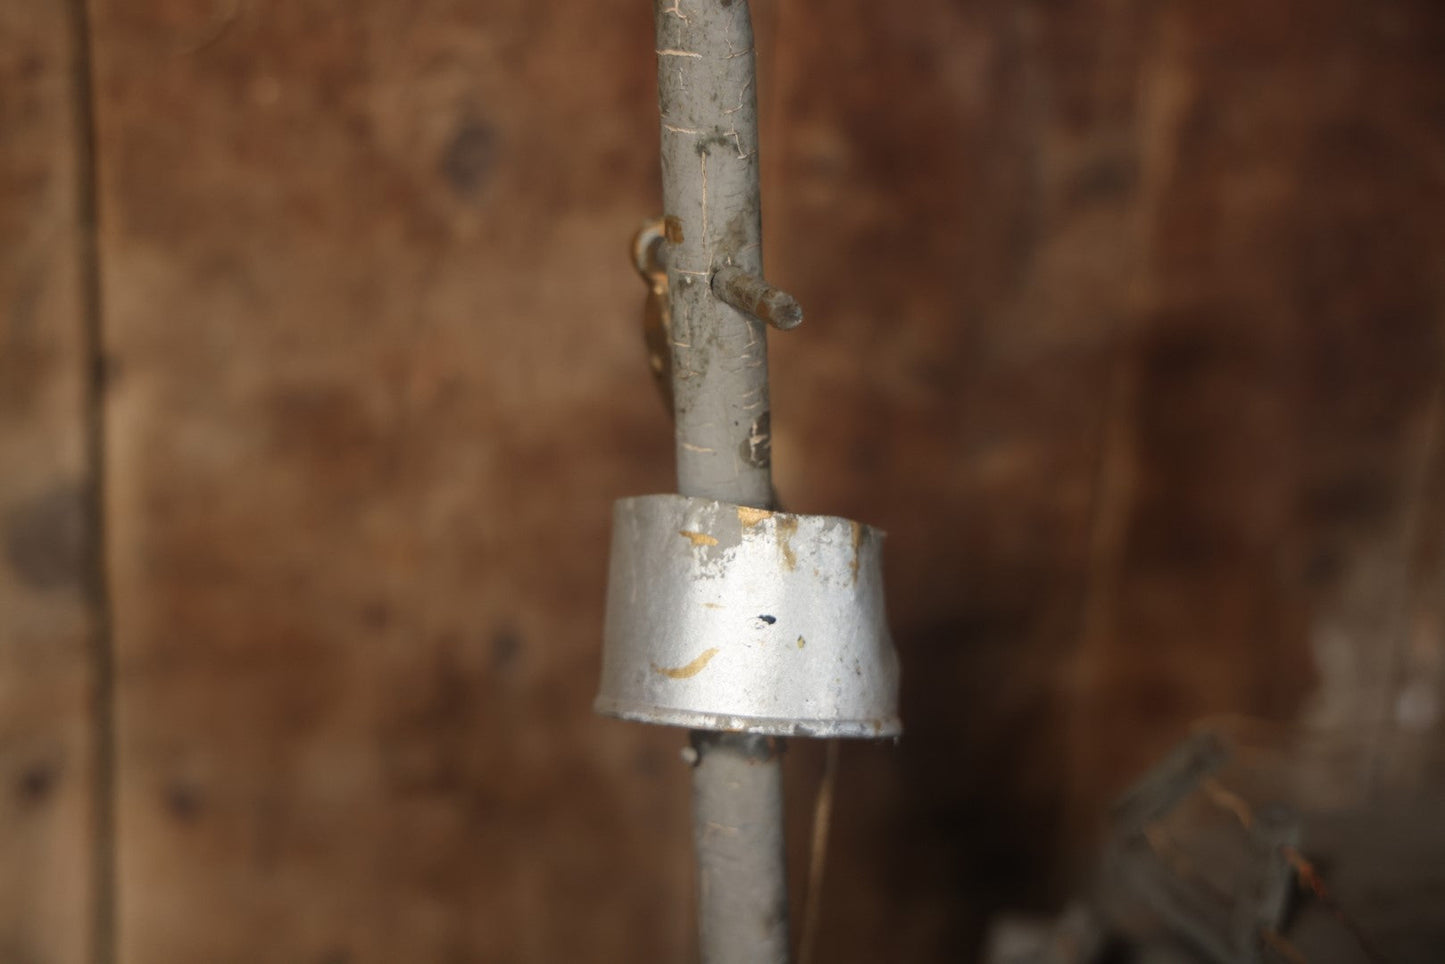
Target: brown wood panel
[1123,319]
[378,376]
[46,621]
[1284,380]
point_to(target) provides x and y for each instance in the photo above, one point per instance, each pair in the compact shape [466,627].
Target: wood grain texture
[1123,320]
[376,349]
[1108,330]
[46,620]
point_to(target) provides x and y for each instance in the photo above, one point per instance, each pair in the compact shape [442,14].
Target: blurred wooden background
[320,365]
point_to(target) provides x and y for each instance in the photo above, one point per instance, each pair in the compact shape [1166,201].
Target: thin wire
[818,854]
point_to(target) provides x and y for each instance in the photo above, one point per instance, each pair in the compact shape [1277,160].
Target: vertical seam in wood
[103,862]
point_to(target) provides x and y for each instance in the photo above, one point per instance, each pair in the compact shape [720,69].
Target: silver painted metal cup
[724,617]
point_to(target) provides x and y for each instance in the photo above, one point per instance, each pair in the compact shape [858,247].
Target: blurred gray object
[1259,844]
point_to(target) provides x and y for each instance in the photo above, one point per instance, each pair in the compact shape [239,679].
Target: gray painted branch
[705,81]
[737,834]
[708,102]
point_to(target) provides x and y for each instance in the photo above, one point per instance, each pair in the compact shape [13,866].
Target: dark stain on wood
[470,157]
[36,783]
[506,650]
[184,801]
[45,538]
[377,615]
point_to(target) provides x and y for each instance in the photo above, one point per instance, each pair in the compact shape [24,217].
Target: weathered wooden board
[1123,320]
[46,620]
[377,378]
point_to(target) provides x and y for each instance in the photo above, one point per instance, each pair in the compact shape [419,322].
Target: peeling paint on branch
[691,669]
[711,201]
